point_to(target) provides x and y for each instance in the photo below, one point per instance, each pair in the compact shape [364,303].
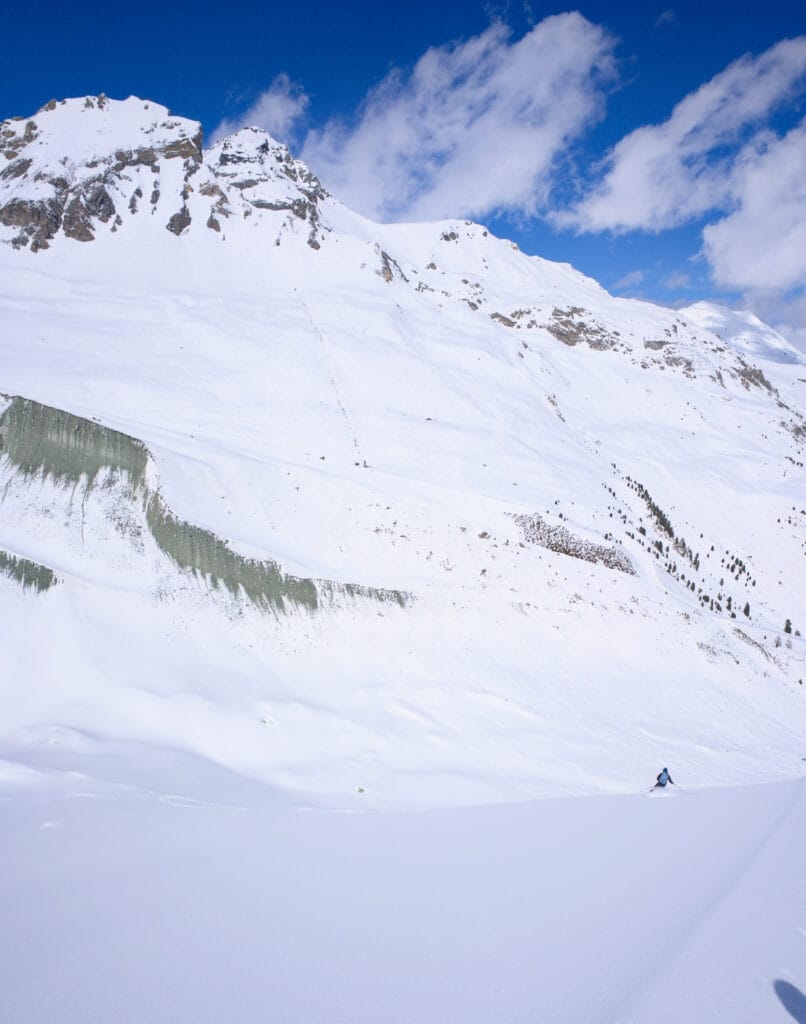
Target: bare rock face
[76,221]
[15,169]
[575,325]
[257,173]
[143,156]
[37,221]
[185,149]
[179,221]
[79,166]
[14,139]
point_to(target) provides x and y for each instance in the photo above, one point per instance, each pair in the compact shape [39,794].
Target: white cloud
[677,279]
[660,176]
[277,111]
[475,127]
[788,318]
[482,126]
[631,280]
[760,246]
[667,17]
[717,158]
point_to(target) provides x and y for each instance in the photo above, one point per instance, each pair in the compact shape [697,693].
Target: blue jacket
[664,777]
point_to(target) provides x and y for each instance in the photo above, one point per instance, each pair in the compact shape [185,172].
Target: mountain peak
[250,143]
[89,165]
[77,164]
[78,129]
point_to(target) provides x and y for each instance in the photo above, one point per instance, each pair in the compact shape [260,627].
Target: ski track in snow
[332,374]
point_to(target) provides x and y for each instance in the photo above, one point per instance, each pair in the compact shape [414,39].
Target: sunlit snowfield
[127,907]
[351,593]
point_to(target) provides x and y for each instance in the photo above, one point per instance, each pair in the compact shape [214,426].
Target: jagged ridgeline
[37,441]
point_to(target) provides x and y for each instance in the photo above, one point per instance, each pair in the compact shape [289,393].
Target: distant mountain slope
[589,513]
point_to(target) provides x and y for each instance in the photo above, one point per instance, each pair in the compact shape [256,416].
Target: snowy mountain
[385,515]
[299,512]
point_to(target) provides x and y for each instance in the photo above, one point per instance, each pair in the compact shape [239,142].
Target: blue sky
[502,112]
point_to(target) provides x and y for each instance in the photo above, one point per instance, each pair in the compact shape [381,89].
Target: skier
[662,779]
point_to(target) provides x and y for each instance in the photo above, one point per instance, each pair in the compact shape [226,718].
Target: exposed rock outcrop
[29,575]
[252,171]
[537,531]
[575,325]
[129,149]
[45,189]
[179,221]
[39,442]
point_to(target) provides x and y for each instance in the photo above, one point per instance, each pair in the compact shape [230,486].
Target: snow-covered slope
[744,331]
[391,515]
[605,910]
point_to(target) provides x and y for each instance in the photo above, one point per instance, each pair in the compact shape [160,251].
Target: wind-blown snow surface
[602,910]
[298,510]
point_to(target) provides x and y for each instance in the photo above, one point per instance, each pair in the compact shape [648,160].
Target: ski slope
[118,905]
